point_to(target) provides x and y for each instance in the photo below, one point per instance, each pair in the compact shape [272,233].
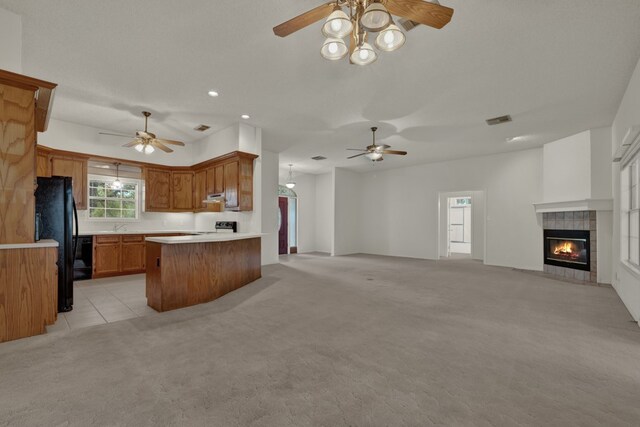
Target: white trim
[575,205]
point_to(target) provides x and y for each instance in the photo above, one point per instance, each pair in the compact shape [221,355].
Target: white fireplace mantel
[575,205]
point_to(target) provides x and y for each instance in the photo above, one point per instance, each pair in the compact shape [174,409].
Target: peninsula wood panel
[17,164]
[182,191]
[181,275]
[76,168]
[158,189]
[28,291]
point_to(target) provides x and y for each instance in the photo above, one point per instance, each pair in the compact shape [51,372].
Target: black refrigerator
[55,212]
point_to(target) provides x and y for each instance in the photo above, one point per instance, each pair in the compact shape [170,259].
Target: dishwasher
[83,261]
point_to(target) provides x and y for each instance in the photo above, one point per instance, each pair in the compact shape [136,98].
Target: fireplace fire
[567,248]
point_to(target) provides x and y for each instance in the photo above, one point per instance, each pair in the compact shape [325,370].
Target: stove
[226,226]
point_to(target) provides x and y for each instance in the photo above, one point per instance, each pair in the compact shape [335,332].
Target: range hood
[214,198]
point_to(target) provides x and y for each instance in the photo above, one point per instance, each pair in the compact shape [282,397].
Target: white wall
[625,282]
[324,226]
[601,185]
[347,214]
[10,41]
[306,190]
[567,168]
[405,203]
[217,144]
[269,196]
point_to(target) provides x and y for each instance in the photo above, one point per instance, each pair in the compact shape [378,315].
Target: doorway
[459,227]
[462,221]
[287,221]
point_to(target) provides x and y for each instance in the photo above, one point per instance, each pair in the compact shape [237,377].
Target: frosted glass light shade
[375,17]
[117,184]
[337,25]
[139,148]
[375,155]
[148,149]
[290,184]
[390,39]
[364,55]
[333,49]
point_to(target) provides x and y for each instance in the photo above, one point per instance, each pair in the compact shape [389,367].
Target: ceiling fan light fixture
[334,49]
[139,148]
[374,155]
[375,17]
[390,39]
[364,55]
[148,149]
[337,25]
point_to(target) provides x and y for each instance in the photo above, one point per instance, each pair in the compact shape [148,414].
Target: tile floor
[106,300]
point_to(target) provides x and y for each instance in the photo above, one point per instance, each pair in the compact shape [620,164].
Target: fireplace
[567,248]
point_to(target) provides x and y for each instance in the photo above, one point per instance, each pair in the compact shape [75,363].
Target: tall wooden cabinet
[20,121]
[76,168]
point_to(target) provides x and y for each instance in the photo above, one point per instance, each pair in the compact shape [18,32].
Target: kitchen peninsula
[188,270]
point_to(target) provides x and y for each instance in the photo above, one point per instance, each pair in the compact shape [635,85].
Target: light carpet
[345,341]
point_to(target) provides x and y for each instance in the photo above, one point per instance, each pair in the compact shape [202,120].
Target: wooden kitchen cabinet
[43,162]
[218,172]
[182,191]
[231,185]
[132,254]
[106,258]
[200,190]
[76,168]
[157,189]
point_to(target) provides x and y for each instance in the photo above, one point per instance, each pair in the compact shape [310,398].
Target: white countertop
[204,238]
[44,243]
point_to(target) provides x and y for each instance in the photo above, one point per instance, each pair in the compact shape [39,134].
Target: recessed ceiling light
[516,139]
[245,116]
[213,93]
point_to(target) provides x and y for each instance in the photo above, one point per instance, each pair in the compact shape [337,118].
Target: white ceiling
[558,67]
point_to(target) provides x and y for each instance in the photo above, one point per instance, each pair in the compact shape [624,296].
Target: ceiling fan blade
[356,149]
[301,21]
[400,153]
[170,142]
[161,146]
[116,134]
[357,155]
[132,143]
[422,12]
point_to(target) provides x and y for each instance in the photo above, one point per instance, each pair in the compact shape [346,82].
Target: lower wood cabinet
[120,254]
[132,254]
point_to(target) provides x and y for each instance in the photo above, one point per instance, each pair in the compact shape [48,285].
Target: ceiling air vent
[319,158]
[202,128]
[499,120]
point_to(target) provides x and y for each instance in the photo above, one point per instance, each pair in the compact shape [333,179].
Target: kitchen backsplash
[169,221]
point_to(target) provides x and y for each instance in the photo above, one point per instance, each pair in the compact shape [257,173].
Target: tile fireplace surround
[575,220]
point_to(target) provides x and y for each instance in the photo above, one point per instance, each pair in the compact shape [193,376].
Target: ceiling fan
[375,151]
[366,16]
[145,141]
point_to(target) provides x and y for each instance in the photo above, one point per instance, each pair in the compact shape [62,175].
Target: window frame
[631,164]
[108,179]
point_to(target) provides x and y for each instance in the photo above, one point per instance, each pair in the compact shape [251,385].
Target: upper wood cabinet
[157,189]
[200,189]
[238,182]
[231,185]
[76,168]
[218,172]
[182,191]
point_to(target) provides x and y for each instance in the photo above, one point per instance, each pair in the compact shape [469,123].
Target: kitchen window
[108,202]
[630,212]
